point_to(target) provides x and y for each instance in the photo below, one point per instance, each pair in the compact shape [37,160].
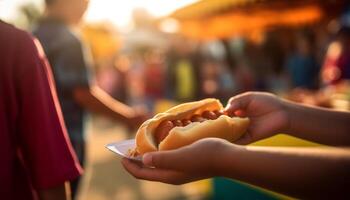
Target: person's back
[64,52]
[71,63]
[34,148]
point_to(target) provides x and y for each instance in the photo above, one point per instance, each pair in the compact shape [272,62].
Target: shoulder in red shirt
[34,147]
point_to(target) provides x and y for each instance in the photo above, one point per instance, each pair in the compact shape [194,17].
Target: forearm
[320,125]
[61,192]
[97,101]
[119,109]
[299,172]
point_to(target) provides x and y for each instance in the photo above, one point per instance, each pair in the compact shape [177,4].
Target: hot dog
[186,123]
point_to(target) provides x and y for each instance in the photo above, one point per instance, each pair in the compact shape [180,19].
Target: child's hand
[202,159]
[268,115]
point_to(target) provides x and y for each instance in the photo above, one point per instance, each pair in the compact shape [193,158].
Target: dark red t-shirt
[35,151]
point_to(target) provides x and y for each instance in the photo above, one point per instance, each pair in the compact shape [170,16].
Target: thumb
[239,102]
[163,159]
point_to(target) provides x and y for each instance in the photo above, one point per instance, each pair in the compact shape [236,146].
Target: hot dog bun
[223,127]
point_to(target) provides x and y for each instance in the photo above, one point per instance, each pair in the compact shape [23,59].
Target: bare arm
[98,101]
[310,173]
[321,125]
[301,172]
[61,192]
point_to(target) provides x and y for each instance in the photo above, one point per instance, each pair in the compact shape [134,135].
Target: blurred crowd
[146,70]
[303,64]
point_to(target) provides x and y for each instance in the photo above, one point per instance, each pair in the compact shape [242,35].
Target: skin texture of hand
[194,162]
[270,115]
[267,113]
[306,173]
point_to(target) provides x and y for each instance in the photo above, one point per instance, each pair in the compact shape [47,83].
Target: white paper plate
[122,148]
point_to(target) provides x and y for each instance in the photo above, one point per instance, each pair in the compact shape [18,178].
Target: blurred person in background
[227,82]
[336,66]
[274,47]
[183,71]
[301,65]
[249,72]
[154,77]
[120,70]
[71,63]
[37,159]
[209,75]
[135,79]
[216,80]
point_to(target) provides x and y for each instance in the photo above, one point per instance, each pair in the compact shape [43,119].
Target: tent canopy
[212,19]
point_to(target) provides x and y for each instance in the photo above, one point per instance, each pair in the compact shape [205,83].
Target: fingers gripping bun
[223,127]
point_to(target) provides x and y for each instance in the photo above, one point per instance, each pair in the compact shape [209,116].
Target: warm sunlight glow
[9,8]
[120,12]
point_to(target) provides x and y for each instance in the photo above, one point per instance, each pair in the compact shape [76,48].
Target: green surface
[226,189]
